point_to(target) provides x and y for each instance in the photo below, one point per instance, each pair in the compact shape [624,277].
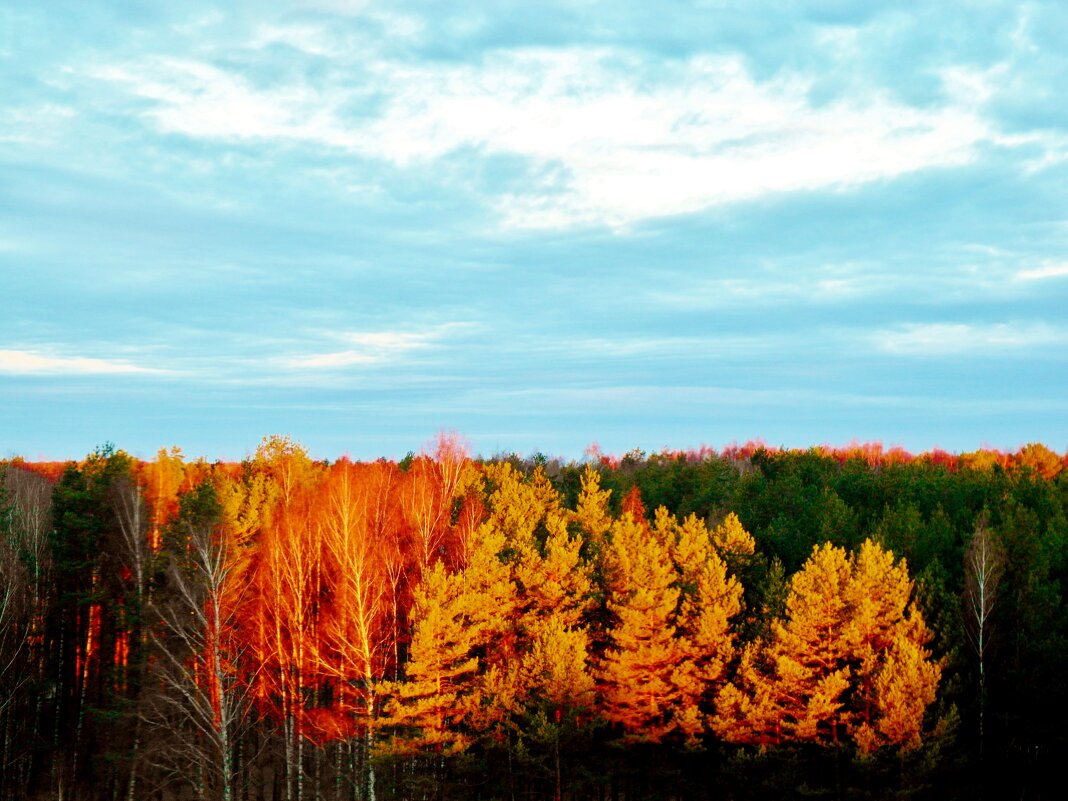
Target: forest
[747,623]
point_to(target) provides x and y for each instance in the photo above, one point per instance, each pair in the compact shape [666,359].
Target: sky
[539,225]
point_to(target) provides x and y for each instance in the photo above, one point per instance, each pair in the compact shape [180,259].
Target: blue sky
[541,225]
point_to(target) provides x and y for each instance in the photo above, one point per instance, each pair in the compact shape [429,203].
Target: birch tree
[201,702]
[984,565]
[356,646]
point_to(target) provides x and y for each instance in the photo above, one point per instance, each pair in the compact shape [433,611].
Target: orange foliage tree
[637,673]
[456,617]
[163,480]
[848,662]
[710,599]
[280,569]
[430,486]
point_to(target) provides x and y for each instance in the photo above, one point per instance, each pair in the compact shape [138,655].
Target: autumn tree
[533,699]
[1037,457]
[431,484]
[847,662]
[279,570]
[636,675]
[354,637]
[163,479]
[709,600]
[288,583]
[457,617]
[592,513]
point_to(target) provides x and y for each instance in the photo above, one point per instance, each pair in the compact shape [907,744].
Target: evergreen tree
[847,663]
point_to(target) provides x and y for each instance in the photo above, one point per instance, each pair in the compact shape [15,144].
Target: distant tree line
[747,623]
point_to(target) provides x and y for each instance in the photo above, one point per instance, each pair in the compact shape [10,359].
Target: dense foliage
[752,623]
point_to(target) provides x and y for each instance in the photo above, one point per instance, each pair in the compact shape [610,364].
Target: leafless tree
[14,614]
[201,704]
[131,514]
[25,582]
[984,566]
[30,497]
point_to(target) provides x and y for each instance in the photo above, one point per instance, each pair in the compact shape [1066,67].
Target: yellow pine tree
[591,509]
[902,690]
[848,662]
[810,654]
[709,600]
[747,710]
[551,581]
[877,595]
[490,595]
[429,709]
[556,670]
[457,616]
[799,677]
[896,678]
[689,543]
[518,504]
[730,537]
[636,674]
[553,578]
[706,620]
[558,685]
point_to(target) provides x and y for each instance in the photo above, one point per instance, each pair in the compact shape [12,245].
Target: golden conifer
[591,509]
[634,675]
[848,661]
[457,616]
[730,537]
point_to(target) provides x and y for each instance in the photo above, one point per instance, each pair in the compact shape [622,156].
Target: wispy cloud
[33,124]
[610,139]
[21,362]
[822,285]
[372,348]
[1047,270]
[943,339]
[630,347]
[200,100]
[691,396]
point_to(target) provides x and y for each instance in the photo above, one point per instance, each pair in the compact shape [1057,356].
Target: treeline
[751,623]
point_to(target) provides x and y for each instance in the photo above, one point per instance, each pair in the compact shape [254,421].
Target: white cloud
[943,339]
[704,133]
[830,285]
[310,39]
[342,358]
[618,141]
[34,125]
[717,346]
[971,86]
[199,100]
[372,347]
[1047,270]
[20,362]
